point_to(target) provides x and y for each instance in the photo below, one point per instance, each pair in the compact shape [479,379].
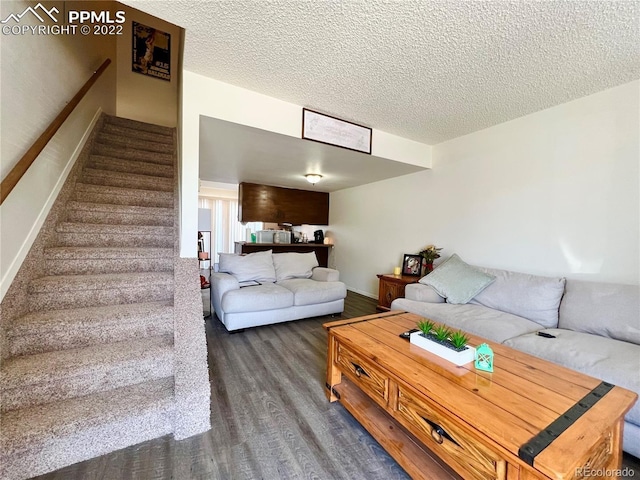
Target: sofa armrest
[323,274]
[422,293]
[221,283]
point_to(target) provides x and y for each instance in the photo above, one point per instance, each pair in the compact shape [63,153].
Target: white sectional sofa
[263,288]
[596,326]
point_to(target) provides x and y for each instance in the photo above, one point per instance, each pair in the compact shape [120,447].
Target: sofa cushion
[476,319]
[610,310]
[310,292]
[456,280]
[324,274]
[256,266]
[422,293]
[294,265]
[257,298]
[530,296]
[604,358]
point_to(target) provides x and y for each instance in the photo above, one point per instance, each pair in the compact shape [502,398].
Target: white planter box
[457,358]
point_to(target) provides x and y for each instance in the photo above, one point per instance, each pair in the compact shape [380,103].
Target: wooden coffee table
[529,419]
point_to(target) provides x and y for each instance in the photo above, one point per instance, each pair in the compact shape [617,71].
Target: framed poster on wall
[151,52]
[334,131]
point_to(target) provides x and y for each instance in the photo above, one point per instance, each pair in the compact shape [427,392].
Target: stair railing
[20,168]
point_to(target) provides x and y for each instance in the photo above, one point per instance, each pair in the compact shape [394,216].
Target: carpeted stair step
[136,125]
[77,291]
[51,330]
[44,438]
[127,180]
[133,143]
[137,133]
[87,212]
[53,376]
[118,165]
[126,153]
[93,260]
[85,192]
[88,235]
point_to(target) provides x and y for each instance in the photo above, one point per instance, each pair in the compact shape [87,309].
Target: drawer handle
[359,370]
[438,433]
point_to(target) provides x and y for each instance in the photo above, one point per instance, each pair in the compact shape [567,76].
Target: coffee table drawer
[596,460]
[364,374]
[445,437]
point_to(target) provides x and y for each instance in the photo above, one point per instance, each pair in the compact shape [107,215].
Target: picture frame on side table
[412,265]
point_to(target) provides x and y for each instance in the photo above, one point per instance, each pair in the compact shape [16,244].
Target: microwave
[273,236]
[264,236]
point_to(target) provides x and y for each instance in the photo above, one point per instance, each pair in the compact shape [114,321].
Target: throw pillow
[457,281]
[294,265]
[533,297]
[256,266]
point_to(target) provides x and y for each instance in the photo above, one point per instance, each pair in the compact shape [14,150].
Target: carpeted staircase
[90,366]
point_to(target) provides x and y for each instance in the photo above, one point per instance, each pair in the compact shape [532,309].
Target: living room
[548,213]
[536,193]
[521,133]
[523,194]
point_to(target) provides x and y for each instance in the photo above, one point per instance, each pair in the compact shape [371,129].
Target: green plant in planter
[425,326]
[441,333]
[458,339]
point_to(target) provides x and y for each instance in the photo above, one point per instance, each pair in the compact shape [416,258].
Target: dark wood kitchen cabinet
[265,203]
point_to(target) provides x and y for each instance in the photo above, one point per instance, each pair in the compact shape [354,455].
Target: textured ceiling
[425,70]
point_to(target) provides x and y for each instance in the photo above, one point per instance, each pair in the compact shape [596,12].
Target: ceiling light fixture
[313,178]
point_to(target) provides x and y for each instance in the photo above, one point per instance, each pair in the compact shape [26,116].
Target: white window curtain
[225,227]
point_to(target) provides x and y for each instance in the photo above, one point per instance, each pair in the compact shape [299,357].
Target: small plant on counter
[441,333]
[426,326]
[459,340]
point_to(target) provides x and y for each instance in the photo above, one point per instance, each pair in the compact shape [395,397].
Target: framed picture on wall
[322,128]
[412,265]
[151,52]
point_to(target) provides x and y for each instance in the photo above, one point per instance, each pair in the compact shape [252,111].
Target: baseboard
[362,292]
[13,269]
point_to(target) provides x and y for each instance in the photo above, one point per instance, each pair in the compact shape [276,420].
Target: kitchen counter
[321,249]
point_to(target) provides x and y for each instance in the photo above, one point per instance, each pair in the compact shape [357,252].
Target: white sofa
[596,325]
[263,288]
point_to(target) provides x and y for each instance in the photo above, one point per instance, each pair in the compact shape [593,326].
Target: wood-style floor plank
[269,414]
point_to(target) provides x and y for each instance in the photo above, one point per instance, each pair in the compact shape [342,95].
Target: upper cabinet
[264,203]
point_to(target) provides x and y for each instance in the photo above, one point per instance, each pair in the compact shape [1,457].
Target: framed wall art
[151,53]
[333,131]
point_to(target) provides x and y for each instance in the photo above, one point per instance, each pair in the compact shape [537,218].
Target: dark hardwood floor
[270,418]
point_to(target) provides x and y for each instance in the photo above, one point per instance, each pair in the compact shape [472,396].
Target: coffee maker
[318,236]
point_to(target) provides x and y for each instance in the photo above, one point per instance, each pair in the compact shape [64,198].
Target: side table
[392,287]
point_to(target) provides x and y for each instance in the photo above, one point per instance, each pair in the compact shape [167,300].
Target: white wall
[552,193]
[212,98]
[141,97]
[218,190]
[39,75]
